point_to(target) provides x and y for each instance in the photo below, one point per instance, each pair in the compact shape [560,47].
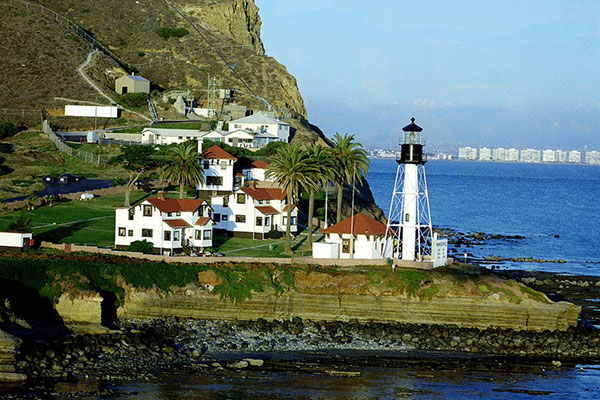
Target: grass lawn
[83,222]
[241,247]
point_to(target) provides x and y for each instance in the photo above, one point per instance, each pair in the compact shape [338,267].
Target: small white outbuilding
[16,241]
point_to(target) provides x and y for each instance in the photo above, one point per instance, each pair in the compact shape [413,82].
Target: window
[131,213]
[207,235]
[206,164]
[130,232]
[122,231]
[167,236]
[241,198]
[198,234]
[223,164]
[175,235]
[217,218]
[267,221]
[407,217]
[147,211]
[346,246]
[178,214]
[293,220]
[240,218]
[169,214]
[223,217]
[226,201]
[147,233]
[214,180]
[259,221]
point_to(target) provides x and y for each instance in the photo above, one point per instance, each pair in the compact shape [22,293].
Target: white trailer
[91,111]
[16,241]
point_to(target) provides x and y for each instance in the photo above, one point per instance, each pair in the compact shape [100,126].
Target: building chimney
[161,195]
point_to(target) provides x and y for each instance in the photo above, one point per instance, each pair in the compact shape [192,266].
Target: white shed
[16,241]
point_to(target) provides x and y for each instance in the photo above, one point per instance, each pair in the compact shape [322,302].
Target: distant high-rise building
[592,157]
[574,156]
[531,155]
[499,154]
[512,155]
[467,153]
[548,156]
[561,156]
[485,154]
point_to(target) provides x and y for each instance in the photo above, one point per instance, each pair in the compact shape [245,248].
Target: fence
[80,154]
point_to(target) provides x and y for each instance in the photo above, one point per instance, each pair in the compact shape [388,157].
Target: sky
[480,73]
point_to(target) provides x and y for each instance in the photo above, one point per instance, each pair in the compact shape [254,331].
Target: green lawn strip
[83,222]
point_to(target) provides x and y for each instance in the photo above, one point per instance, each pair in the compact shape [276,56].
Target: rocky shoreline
[159,344]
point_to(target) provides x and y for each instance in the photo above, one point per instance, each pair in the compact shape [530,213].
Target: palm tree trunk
[181,188]
[288,231]
[127,193]
[340,194]
[311,211]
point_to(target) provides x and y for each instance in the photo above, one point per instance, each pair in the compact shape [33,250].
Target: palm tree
[183,167]
[321,159]
[290,168]
[351,163]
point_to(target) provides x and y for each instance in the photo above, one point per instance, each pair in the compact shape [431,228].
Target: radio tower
[409,221]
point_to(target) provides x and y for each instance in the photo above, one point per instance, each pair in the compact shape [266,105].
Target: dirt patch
[209,277]
[323,283]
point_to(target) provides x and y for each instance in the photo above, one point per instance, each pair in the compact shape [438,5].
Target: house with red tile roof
[173,226]
[218,172]
[256,171]
[254,212]
[359,237]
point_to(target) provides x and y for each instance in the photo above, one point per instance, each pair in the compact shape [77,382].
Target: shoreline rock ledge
[9,346]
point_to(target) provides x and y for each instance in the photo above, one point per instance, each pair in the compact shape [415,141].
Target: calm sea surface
[537,201]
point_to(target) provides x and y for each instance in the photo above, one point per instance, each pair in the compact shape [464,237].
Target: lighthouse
[409,220]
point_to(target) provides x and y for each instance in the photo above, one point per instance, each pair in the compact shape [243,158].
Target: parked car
[49,179]
[67,178]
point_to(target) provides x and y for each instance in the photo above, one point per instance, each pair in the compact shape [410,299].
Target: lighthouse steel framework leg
[410,240]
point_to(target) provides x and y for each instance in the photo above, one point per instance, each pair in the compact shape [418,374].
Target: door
[25,244]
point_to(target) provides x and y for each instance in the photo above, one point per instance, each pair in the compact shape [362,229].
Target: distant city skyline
[507,73]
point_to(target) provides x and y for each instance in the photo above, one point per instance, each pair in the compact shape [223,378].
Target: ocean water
[555,206]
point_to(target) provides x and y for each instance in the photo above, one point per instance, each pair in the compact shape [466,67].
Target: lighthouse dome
[412,127]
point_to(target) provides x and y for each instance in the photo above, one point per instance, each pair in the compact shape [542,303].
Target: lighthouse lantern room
[409,221]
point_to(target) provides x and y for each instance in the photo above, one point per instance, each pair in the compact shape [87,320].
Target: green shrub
[134,100]
[166,32]
[141,53]
[21,224]
[142,246]
[7,129]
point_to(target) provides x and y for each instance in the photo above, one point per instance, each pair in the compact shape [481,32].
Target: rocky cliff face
[238,19]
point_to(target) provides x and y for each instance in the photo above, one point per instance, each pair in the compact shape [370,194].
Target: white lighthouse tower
[409,221]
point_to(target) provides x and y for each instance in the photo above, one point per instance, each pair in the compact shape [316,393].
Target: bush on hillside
[142,246]
[166,32]
[21,224]
[134,100]
[7,129]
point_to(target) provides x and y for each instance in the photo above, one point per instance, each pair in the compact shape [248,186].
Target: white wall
[14,239]
[91,111]
[222,168]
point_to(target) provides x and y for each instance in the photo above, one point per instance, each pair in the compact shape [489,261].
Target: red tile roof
[285,208]
[363,225]
[202,221]
[267,210]
[264,193]
[177,223]
[240,175]
[259,164]
[173,205]
[216,152]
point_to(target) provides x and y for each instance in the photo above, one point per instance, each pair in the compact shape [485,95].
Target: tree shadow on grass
[59,233]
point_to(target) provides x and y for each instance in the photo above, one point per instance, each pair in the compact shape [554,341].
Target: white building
[485,154]
[359,237]
[499,154]
[171,225]
[264,125]
[16,241]
[170,136]
[561,156]
[218,171]
[574,156]
[253,212]
[549,156]
[512,154]
[592,157]
[256,171]
[531,155]
[467,153]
